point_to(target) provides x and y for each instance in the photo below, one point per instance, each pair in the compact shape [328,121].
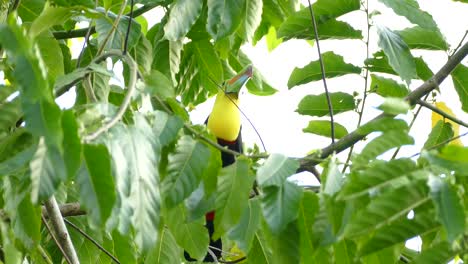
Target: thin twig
[322,68]
[366,81]
[65,256]
[83,233]
[44,254]
[413,120]
[212,254]
[79,33]
[460,43]
[113,28]
[233,261]
[442,113]
[128,29]
[126,101]
[428,86]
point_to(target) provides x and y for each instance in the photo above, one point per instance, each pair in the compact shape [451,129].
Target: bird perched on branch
[224,122]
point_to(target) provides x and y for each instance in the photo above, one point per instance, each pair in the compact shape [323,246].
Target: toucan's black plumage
[224,123]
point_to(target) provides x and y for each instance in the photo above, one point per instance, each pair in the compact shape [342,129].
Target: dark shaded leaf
[71,143]
[438,253]
[308,208]
[460,81]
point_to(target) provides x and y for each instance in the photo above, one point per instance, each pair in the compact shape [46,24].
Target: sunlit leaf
[394,106]
[387,87]
[383,124]
[323,128]
[253,16]
[47,171]
[183,15]
[422,38]
[410,10]
[316,105]
[379,174]
[382,144]
[334,64]
[275,170]
[398,53]
[224,17]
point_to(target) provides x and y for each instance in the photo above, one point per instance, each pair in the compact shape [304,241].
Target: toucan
[225,124]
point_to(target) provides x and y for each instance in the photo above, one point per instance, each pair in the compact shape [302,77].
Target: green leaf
[441,132]
[253,17]
[398,53]
[10,113]
[280,205]
[410,10]
[224,17]
[399,232]
[182,16]
[167,56]
[117,35]
[71,143]
[166,250]
[185,170]
[234,185]
[193,236]
[423,38]
[333,177]
[460,81]
[166,127]
[261,252]
[50,16]
[451,157]
[334,67]
[124,248]
[344,251]
[135,154]
[17,162]
[298,25]
[11,254]
[47,171]
[158,84]
[450,211]
[383,124]
[284,244]
[438,253]
[275,170]
[386,208]
[272,40]
[243,233]
[323,128]
[308,208]
[51,55]
[96,184]
[330,29]
[316,105]
[378,175]
[387,87]
[143,55]
[27,223]
[394,106]
[382,144]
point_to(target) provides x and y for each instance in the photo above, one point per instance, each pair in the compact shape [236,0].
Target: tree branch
[63,238]
[78,33]
[68,209]
[347,141]
[442,113]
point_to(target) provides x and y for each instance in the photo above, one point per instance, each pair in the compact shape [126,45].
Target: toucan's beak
[237,82]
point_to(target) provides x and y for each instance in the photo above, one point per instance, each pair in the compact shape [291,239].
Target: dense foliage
[143,176]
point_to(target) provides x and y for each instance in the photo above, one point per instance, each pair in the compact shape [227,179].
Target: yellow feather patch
[455,127]
[224,120]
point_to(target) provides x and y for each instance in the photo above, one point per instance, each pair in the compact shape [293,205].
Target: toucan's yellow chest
[224,120]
